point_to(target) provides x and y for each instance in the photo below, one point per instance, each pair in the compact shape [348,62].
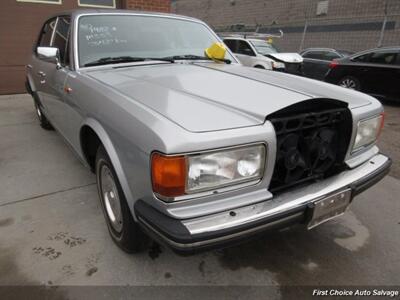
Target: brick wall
[149,5]
[358,22]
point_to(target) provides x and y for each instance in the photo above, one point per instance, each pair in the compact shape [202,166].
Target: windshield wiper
[195,57]
[123,59]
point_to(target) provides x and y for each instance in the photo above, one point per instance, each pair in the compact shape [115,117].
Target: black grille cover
[310,145]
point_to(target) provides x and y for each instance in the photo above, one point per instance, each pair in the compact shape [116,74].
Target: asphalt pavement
[53,234]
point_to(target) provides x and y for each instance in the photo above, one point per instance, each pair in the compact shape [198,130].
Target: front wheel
[124,231]
[350,82]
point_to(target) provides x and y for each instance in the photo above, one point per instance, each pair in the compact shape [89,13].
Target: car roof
[80,12]
[395,48]
[319,49]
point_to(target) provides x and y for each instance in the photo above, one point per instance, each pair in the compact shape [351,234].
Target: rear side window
[383,57]
[314,54]
[61,37]
[330,55]
[46,34]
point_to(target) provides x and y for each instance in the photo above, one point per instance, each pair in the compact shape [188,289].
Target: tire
[43,121]
[259,67]
[124,231]
[350,82]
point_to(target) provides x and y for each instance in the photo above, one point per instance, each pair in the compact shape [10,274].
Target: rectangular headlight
[367,132]
[174,176]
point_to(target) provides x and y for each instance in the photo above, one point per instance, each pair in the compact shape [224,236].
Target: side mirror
[248,51]
[50,54]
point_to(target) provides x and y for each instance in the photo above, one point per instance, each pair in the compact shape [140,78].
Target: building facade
[20,23]
[344,24]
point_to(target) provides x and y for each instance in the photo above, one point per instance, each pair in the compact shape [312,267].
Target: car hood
[286,57]
[212,96]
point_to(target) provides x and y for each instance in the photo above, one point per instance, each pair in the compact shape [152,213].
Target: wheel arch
[264,64]
[92,134]
[30,83]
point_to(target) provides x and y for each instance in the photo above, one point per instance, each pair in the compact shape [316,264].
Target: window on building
[42,1]
[47,33]
[61,37]
[97,3]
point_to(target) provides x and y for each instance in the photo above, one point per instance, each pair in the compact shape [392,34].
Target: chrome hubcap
[111,199]
[348,83]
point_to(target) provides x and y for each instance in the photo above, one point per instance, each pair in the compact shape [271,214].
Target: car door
[56,75]
[379,73]
[40,67]
[244,53]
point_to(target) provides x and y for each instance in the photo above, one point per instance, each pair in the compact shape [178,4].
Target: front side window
[244,48]
[383,57]
[232,44]
[362,58]
[104,36]
[47,33]
[264,48]
[61,36]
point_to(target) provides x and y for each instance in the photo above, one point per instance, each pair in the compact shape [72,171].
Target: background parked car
[259,53]
[375,72]
[316,61]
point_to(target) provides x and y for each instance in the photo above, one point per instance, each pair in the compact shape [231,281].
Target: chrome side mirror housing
[50,54]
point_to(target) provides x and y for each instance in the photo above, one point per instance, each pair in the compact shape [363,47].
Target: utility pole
[303,37]
[380,43]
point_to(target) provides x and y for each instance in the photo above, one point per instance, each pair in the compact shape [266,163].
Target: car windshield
[116,36]
[263,47]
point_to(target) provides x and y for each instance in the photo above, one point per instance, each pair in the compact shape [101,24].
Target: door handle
[41,74]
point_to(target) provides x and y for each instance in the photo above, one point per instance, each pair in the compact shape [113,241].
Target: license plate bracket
[329,207]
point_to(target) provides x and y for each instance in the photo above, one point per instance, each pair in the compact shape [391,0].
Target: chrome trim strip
[284,202]
[219,239]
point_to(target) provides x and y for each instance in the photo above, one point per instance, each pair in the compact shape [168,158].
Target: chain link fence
[342,24]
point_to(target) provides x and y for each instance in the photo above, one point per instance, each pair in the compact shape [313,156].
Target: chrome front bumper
[280,211]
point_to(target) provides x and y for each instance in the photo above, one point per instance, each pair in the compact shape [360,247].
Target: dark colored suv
[375,72]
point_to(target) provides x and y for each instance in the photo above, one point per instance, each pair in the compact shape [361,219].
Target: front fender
[266,64]
[112,153]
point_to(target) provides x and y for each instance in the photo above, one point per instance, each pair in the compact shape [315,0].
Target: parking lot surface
[52,231]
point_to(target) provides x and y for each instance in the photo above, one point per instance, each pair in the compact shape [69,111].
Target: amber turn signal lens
[168,175]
